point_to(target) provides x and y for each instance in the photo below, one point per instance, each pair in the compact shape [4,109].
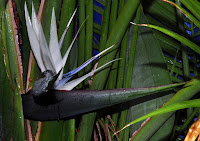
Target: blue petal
[74,71]
[63,81]
[71,73]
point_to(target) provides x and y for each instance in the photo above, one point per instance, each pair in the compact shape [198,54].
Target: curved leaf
[169,108]
[174,35]
[186,13]
[189,90]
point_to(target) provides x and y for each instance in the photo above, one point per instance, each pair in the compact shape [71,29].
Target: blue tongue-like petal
[63,81]
[70,74]
[74,71]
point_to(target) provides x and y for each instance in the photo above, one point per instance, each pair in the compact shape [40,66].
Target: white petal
[70,85]
[56,83]
[35,22]
[53,44]
[46,55]
[35,46]
[68,50]
[66,29]
[60,76]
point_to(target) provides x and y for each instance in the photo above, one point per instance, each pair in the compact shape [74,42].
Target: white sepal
[53,44]
[35,24]
[71,45]
[70,85]
[35,46]
[46,55]
[66,29]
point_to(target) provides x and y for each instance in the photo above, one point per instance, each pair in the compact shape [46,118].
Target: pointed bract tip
[139,24]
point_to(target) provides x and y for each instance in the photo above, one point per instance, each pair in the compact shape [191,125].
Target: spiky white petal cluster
[49,57]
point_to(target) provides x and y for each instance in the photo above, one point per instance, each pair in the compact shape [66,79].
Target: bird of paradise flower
[49,57]
[46,101]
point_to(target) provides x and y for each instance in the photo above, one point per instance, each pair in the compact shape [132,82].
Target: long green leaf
[51,131]
[176,36]
[89,35]
[81,40]
[99,80]
[149,70]
[67,10]
[168,108]
[3,78]
[186,93]
[125,114]
[116,35]
[68,7]
[190,16]
[193,6]
[170,46]
[105,24]
[121,68]
[162,12]
[184,50]
[12,115]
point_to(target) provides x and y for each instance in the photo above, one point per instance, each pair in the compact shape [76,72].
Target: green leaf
[176,36]
[67,10]
[169,108]
[131,37]
[11,79]
[186,13]
[162,12]
[69,130]
[89,35]
[186,93]
[149,70]
[81,41]
[100,79]
[105,24]
[51,131]
[193,6]
[68,7]
[170,46]
[3,77]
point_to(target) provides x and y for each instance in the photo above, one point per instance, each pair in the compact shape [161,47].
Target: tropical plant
[161,53]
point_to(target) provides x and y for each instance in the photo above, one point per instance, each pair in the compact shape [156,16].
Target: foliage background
[149,58]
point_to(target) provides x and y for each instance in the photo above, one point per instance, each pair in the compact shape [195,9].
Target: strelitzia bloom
[49,57]
[44,104]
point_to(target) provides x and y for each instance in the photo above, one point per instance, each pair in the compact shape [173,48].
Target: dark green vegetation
[149,58]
